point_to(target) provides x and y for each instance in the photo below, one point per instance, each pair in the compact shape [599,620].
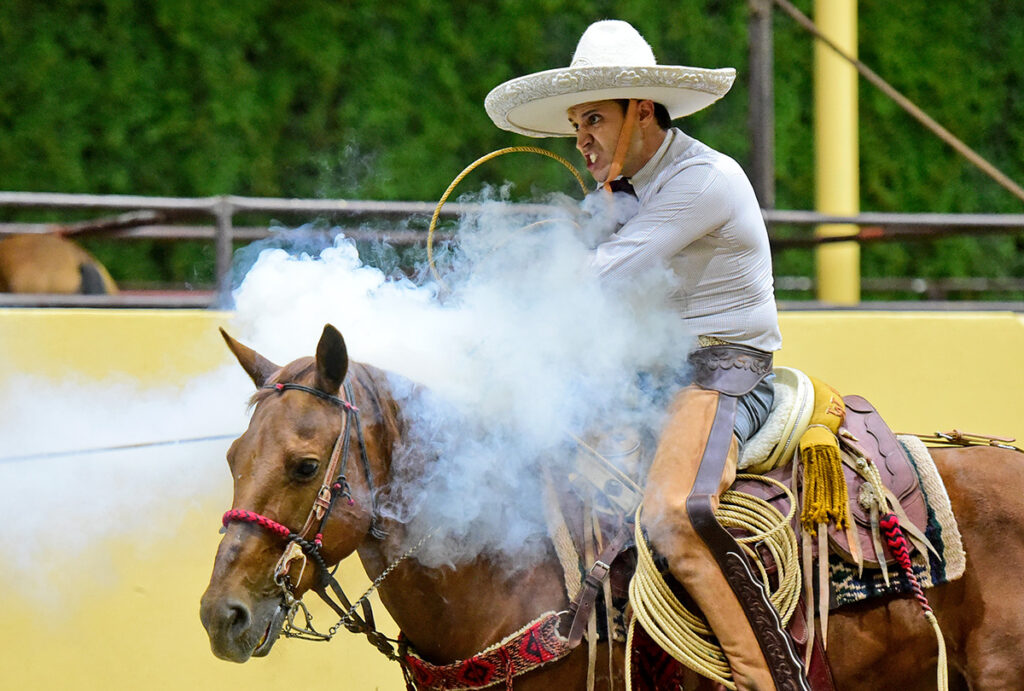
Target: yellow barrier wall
[138,627]
[924,371]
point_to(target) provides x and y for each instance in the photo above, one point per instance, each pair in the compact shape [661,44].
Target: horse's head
[302,438]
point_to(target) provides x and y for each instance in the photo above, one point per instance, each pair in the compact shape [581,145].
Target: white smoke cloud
[65,487]
[519,347]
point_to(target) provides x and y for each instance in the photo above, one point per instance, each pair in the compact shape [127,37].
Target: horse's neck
[451,613]
[448,613]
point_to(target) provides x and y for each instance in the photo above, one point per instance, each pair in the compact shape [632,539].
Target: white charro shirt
[699,216]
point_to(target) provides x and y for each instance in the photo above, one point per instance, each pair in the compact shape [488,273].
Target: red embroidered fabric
[536,645]
[653,669]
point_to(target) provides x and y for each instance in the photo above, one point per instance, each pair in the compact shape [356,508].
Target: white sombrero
[612,60]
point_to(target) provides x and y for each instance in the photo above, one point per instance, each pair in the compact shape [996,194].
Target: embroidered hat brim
[536,105]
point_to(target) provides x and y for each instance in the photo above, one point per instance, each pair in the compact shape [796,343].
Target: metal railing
[222,210]
[164,218]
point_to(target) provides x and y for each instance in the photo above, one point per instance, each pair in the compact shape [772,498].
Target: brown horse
[49,263]
[452,613]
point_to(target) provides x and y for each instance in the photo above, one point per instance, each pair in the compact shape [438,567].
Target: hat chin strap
[620,148]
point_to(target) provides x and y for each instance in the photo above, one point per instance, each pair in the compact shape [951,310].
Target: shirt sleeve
[692,203]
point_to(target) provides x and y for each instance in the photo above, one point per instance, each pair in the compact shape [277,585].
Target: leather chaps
[695,462]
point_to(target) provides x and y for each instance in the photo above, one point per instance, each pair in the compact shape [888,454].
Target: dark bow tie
[622,185]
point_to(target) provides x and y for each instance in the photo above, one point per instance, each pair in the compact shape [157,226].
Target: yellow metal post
[837,167]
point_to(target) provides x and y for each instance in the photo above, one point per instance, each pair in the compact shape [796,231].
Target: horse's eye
[305,469]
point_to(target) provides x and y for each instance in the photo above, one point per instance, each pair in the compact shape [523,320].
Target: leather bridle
[298,544]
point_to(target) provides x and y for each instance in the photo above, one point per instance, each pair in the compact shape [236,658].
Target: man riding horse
[697,214]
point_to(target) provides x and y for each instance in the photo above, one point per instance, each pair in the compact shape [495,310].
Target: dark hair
[661,115]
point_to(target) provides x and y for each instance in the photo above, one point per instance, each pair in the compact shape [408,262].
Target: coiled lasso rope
[686,636]
[467,170]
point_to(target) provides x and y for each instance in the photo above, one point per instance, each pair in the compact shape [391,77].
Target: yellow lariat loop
[468,169]
[824,490]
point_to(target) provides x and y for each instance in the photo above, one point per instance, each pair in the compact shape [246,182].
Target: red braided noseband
[251,517]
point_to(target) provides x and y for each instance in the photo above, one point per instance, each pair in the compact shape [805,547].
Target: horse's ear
[331,361]
[255,365]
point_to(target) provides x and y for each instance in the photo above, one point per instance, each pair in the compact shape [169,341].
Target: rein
[299,546]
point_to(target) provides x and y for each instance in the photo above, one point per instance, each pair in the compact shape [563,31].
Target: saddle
[864,435]
[880,477]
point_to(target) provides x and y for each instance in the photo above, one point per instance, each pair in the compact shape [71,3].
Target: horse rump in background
[50,263]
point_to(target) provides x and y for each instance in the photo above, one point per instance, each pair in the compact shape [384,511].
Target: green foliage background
[366,100]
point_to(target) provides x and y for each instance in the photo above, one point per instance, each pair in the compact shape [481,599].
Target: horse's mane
[371,390]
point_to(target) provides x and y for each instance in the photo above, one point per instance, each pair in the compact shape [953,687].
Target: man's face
[597,126]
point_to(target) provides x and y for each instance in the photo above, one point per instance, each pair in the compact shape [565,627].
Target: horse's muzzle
[237,632]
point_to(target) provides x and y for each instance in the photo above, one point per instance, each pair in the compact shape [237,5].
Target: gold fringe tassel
[824,488]
[825,493]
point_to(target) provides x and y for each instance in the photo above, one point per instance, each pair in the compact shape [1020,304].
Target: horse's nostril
[236,617]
